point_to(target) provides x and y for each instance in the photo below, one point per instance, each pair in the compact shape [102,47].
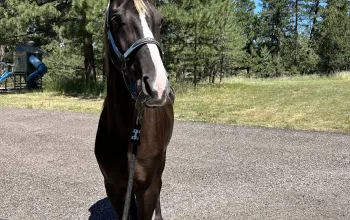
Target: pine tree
[249,21]
[276,23]
[84,27]
[22,21]
[202,36]
[229,39]
[331,36]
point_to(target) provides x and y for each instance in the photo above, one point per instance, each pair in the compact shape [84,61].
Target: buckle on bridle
[123,62]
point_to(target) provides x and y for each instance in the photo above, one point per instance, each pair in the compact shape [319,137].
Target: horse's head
[134,32]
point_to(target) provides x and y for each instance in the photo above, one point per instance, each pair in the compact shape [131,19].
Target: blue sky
[258,8]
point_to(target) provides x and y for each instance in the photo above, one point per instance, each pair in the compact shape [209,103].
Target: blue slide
[5,76]
[41,69]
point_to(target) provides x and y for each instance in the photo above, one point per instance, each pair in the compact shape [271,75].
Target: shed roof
[28,48]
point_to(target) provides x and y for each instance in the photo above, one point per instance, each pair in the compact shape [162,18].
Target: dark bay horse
[137,84]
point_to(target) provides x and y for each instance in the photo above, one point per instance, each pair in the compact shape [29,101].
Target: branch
[59,2]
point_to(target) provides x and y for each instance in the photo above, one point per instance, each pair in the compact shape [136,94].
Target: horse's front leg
[116,197]
[158,212]
[148,200]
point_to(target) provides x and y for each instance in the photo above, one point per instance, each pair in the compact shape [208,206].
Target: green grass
[51,101]
[308,103]
[311,103]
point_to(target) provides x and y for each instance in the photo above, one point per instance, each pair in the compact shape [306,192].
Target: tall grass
[74,86]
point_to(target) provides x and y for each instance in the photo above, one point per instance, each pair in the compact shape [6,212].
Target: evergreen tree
[52,24]
[276,29]
[332,36]
[22,21]
[203,39]
[202,35]
[249,21]
[84,27]
[228,39]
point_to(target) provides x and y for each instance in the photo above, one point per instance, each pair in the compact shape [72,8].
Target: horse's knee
[145,170]
[143,178]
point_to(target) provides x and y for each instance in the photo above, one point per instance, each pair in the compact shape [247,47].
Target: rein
[124,59]
[135,140]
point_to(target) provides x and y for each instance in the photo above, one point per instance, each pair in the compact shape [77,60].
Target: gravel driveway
[48,171]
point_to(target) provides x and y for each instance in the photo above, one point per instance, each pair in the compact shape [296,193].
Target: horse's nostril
[147,87]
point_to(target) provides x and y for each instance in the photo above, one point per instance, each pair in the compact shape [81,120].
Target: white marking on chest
[160,75]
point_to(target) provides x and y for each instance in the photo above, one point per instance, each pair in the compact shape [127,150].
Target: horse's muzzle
[155,96]
[153,103]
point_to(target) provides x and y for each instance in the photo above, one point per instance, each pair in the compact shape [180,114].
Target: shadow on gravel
[102,210]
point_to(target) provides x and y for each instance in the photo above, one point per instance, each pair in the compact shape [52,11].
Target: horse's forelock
[141,6]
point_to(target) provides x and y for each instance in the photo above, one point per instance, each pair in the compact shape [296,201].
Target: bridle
[125,57]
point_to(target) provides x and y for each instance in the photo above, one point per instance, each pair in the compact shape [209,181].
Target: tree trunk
[296,32]
[89,61]
[178,75]
[314,12]
[214,74]
[210,73]
[2,52]
[196,58]
[183,74]
[221,69]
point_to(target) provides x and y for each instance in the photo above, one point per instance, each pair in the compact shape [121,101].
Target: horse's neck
[119,104]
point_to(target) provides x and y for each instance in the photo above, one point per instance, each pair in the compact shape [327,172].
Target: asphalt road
[48,171]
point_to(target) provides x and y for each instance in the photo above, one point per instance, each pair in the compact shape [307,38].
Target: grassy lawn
[51,101]
[311,103]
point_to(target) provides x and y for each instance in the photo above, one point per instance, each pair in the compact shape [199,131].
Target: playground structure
[27,69]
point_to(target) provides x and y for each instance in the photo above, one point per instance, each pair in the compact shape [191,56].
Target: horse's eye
[117,20]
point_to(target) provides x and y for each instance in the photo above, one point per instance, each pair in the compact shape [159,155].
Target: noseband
[125,57]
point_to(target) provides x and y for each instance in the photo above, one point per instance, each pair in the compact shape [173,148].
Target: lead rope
[135,139]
